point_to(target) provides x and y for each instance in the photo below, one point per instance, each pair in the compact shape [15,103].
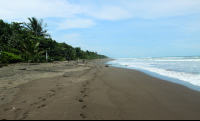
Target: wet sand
[92,91]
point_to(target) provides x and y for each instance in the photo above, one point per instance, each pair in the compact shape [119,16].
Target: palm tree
[36,27]
[31,49]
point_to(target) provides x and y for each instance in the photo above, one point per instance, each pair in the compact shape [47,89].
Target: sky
[116,28]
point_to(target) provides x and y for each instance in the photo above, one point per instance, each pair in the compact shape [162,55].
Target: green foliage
[29,41]
[7,57]
[50,59]
[36,26]
[58,58]
[1,58]
[38,58]
[78,52]
[31,49]
[10,34]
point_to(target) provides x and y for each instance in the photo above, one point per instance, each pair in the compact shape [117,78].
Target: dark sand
[95,92]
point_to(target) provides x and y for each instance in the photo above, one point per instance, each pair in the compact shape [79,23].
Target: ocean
[181,70]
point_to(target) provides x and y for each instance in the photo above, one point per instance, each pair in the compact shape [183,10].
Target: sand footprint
[25,115]
[53,90]
[84,85]
[83,115]
[80,100]
[84,107]
[84,96]
[50,94]
[35,103]
[82,91]
[42,106]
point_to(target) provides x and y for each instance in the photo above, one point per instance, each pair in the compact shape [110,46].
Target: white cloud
[110,13]
[46,8]
[162,8]
[22,9]
[76,23]
[19,10]
[150,9]
[116,10]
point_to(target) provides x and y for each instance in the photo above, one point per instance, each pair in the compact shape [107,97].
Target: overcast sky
[116,28]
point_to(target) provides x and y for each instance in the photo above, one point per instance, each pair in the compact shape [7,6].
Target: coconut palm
[36,27]
[32,49]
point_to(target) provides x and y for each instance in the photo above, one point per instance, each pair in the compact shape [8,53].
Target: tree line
[29,42]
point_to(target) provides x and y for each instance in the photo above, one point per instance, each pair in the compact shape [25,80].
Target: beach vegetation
[29,42]
[31,49]
[36,27]
[7,57]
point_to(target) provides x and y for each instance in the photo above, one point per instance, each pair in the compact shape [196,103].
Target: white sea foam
[180,60]
[191,78]
[183,68]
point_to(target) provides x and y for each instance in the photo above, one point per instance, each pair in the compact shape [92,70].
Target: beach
[91,90]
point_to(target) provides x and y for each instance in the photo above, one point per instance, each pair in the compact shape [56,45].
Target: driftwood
[22,69]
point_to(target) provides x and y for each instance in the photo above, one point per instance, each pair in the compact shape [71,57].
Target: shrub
[50,59]
[7,57]
[58,58]
[37,58]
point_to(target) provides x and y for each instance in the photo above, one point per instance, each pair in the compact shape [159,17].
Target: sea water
[182,70]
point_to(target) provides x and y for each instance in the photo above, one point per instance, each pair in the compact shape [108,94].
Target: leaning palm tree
[36,27]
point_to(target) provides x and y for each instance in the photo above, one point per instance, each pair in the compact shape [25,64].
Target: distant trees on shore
[28,42]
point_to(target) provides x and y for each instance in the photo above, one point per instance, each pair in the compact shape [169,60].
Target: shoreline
[100,92]
[162,77]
